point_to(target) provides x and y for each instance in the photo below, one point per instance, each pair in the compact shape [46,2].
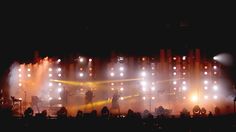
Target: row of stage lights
[147,83]
[20,75]
[82,60]
[121,70]
[183,84]
[54,73]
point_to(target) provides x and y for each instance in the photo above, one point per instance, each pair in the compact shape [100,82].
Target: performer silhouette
[88,99]
[114,103]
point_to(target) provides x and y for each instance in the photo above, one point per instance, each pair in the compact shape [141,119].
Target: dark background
[96,29]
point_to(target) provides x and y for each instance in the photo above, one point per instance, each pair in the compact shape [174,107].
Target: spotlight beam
[76,83]
[95,82]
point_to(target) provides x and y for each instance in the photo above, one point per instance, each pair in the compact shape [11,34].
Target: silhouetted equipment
[15,101]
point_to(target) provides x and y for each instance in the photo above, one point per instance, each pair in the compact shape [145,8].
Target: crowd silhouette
[160,120]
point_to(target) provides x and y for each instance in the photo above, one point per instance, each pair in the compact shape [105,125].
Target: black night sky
[130,28]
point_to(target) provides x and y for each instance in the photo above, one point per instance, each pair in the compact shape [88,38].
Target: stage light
[214,67]
[143,74]
[174,58]
[184,73]
[184,88]
[215,58]
[184,67]
[29,75]
[153,74]
[205,73]
[112,84]
[121,83]
[28,69]
[215,97]
[19,75]
[59,84]
[184,58]
[50,69]
[81,69]
[50,84]
[224,58]
[50,75]
[112,68]
[194,98]
[81,60]
[144,98]
[20,84]
[153,98]
[153,88]
[205,82]
[153,83]
[112,89]
[174,82]
[205,87]
[174,73]
[59,90]
[121,98]
[121,68]
[174,67]
[143,68]
[184,97]
[81,89]
[90,74]
[143,59]
[143,83]
[121,89]
[81,74]
[90,69]
[184,82]
[59,75]
[121,74]
[153,68]
[58,60]
[174,88]
[58,69]
[90,60]
[215,87]
[144,89]
[205,67]
[215,82]
[50,98]
[59,98]
[205,97]
[112,74]
[215,73]
[20,98]
[19,70]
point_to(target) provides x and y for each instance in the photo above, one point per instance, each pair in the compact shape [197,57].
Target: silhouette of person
[62,113]
[88,99]
[29,112]
[105,112]
[64,96]
[114,103]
